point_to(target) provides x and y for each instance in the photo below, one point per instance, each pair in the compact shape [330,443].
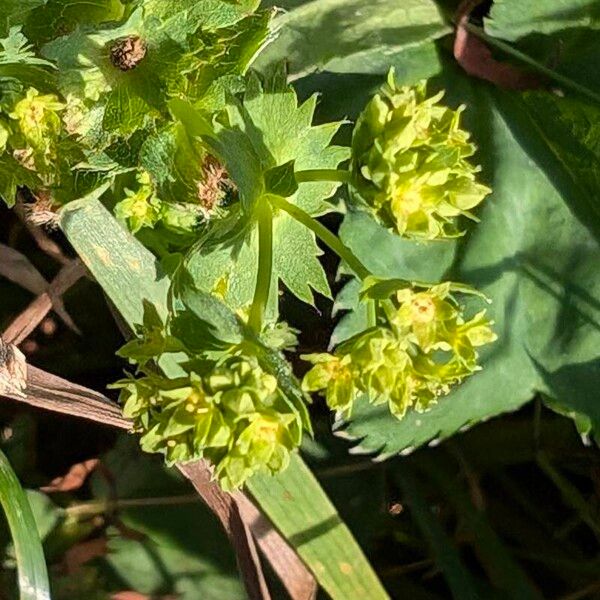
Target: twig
[474,56]
[83,510]
[17,268]
[237,513]
[400,570]
[33,315]
[226,509]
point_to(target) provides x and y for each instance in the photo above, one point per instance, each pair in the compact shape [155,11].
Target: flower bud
[410,163]
[140,208]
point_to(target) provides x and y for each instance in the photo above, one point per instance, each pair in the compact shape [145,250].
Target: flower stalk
[265,266]
[327,237]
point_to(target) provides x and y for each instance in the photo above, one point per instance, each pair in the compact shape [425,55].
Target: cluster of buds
[141,207]
[426,347]
[232,413]
[410,163]
[38,127]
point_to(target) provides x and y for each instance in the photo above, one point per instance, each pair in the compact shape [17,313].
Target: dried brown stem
[297,579]
[17,268]
[33,315]
[474,56]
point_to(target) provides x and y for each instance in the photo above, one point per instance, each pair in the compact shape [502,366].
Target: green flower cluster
[33,130]
[231,412]
[426,347]
[140,208]
[410,162]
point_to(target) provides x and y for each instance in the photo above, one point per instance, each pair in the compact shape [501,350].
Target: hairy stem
[329,239]
[265,266]
[339,175]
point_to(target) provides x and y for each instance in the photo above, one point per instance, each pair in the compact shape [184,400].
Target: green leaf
[31,565]
[561,37]
[58,17]
[513,19]
[182,17]
[13,175]
[13,12]
[16,49]
[545,306]
[182,537]
[129,275]
[185,56]
[267,131]
[361,36]
[296,261]
[295,502]
[281,181]
[562,134]
[125,112]
[203,321]
[102,248]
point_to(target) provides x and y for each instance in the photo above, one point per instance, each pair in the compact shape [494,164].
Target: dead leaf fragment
[13,370]
[74,478]
[80,554]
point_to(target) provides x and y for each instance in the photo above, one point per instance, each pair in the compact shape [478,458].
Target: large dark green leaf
[530,254]
[360,36]
[562,36]
[512,19]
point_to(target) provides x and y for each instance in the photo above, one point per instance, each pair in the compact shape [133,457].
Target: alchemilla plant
[223,173]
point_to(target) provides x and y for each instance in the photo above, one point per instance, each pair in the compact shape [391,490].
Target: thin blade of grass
[503,570]
[31,565]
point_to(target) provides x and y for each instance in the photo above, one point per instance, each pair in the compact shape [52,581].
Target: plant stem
[372,313]
[329,239]
[94,507]
[550,73]
[339,175]
[265,266]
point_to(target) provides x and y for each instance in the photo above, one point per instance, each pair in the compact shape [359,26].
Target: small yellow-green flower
[233,414]
[39,124]
[410,162]
[140,208]
[425,348]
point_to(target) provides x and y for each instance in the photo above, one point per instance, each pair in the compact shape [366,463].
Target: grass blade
[445,552]
[31,565]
